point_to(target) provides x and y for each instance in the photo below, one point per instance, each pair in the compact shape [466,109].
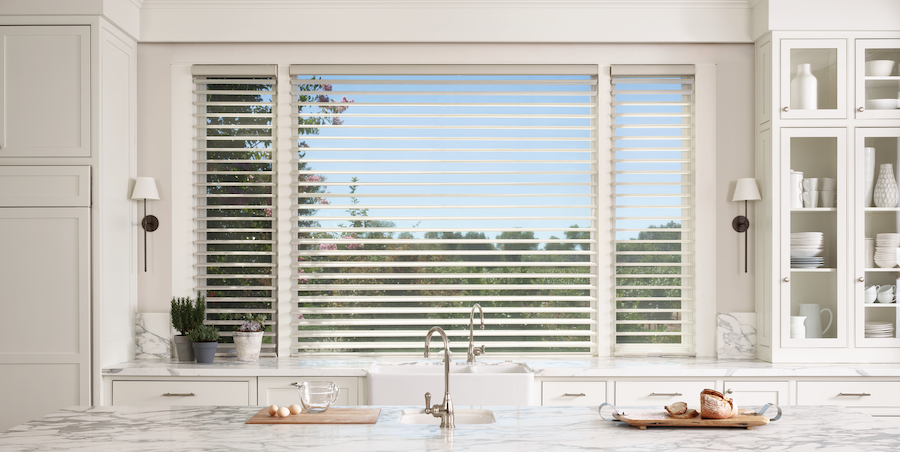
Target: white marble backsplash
[736,335]
[152,333]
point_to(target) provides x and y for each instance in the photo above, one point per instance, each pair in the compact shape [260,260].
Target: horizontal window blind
[234,197]
[653,180]
[422,190]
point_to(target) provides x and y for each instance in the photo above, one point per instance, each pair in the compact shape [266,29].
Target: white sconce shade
[145,188]
[746,190]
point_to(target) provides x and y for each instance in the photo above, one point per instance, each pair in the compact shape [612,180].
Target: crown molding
[444,4]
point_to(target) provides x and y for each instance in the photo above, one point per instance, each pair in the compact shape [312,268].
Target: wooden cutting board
[332,416]
[653,418]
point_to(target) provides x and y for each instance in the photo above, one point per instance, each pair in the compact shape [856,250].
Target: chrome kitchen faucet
[445,411]
[473,352]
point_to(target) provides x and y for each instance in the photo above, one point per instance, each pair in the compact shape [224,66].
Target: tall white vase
[886,194]
[869,168]
[804,89]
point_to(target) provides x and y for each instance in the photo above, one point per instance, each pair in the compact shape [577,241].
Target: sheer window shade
[654,199]
[421,190]
[234,196]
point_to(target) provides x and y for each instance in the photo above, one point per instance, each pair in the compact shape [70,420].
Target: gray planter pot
[205,351]
[183,348]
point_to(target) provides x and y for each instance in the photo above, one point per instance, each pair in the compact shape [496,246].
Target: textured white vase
[804,89]
[886,194]
[869,168]
[247,345]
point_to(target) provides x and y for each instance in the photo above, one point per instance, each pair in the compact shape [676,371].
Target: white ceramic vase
[885,194]
[804,89]
[869,168]
[247,345]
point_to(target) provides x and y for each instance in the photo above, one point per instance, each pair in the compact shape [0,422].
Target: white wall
[159,63]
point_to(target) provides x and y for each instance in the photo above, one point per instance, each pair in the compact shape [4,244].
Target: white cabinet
[877,78]
[573,393]
[747,394]
[878,398]
[826,60]
[174,392]
[45,91]
[659,393]
[45,276]
[282,392]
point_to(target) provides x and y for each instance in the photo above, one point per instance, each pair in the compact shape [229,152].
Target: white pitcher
[796,189]
[814,319]
[798,330]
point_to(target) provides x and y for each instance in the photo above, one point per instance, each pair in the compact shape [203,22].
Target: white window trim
[182,135]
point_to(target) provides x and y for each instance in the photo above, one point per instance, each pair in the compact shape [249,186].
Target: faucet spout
[445,410]
[473,352]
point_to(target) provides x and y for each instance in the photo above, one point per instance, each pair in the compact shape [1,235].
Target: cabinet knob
[861,109]
[861,279]
[786,109]
[729,391]
[786,279]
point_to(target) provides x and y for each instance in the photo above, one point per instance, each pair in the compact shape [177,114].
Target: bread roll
[714,405]
[679,410]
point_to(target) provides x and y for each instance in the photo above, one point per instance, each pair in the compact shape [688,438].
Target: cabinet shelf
[817,209]
[883,78]
[882,209]
[883,270]
[815,270]
[881,305]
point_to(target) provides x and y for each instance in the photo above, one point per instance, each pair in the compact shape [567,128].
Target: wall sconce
[745,190]
[144,189]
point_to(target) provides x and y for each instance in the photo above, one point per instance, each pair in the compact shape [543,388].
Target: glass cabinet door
[813,78]
[814,237]
[877,78]
[877,224]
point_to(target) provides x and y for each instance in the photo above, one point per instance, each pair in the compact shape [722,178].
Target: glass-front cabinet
[878,78]
[877,237]
[814,252]
[813,78]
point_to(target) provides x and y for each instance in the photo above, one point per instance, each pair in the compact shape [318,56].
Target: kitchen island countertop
[336,366]
[215,429]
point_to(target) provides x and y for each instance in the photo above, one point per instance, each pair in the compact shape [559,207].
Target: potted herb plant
[186,314]
[204,339]
[248,337]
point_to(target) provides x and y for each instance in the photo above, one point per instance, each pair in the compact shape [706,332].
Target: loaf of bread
[714,405]
[679,410]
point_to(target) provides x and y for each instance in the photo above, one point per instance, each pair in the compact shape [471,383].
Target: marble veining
[336,366]
[736,335]
[538,429]
[150,338]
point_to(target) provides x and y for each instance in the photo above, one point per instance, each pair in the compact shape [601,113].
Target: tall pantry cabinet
[814,144]
[67,227]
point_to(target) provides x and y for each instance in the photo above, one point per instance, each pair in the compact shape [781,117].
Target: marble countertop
[215,429]
[337,366]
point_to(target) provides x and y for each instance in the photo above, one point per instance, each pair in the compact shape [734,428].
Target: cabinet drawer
[849,393]
[280,390]
[748,394]
[165,393]
[660,393]
[573,393]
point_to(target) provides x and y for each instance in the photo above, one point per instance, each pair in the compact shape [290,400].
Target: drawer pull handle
[574,395]
[858,394]
[169,394]
[665,394]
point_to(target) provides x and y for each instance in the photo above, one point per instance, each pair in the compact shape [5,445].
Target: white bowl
[881,104]
[879,68]
[805,252]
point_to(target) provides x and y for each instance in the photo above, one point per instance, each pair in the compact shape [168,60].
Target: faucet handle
[427,403]
[479,351]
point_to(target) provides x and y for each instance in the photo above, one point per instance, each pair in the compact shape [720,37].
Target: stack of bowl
[806,248]
[886,249]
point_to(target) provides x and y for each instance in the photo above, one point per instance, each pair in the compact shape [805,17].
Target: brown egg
[284,412]
[273,409]
[295,409]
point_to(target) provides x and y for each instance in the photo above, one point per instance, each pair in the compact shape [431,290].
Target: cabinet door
[282,392]
[877,78]
[45,280]
[813,78]
[814,238]
[876,320]
[573,393]
[660,393]
[45,99]
[180,393]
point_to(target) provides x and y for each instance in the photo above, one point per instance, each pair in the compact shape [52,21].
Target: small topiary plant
[188,314]
[204,333]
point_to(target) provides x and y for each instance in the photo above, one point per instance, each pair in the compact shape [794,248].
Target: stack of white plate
[806,248]
[886,249]
[879,329]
